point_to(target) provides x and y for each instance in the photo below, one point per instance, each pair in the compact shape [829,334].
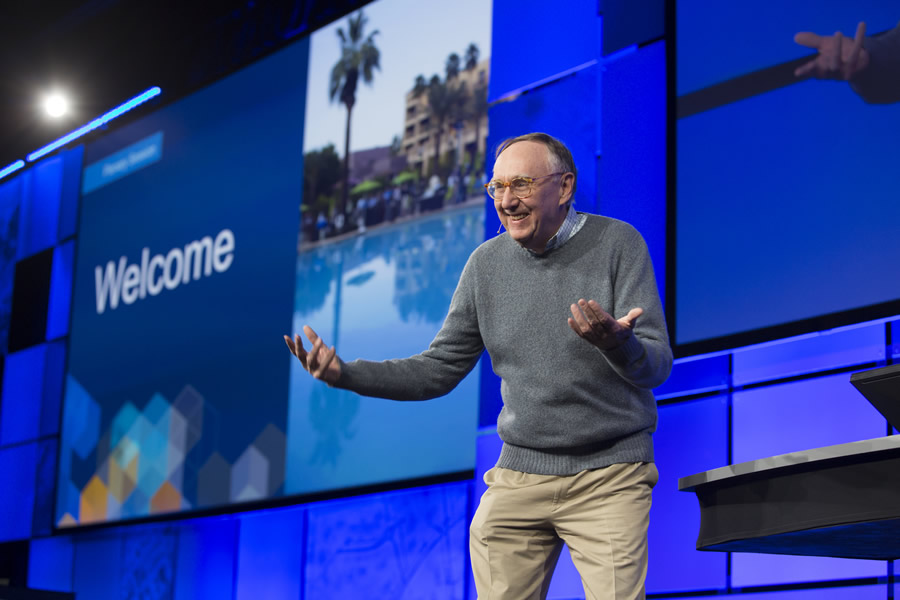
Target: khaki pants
[523,520]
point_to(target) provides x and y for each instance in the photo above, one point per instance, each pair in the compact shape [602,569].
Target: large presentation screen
[785,208]
[229,218]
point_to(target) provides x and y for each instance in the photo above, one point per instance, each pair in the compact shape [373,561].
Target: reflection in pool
[382,294]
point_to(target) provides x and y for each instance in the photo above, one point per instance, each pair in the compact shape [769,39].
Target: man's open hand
[321,361]
[598,327]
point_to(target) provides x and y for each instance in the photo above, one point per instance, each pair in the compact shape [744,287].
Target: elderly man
[577,460]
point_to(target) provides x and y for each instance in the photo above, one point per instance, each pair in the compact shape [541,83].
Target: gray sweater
[567,406]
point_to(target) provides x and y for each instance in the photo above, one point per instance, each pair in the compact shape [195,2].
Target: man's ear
[566,184]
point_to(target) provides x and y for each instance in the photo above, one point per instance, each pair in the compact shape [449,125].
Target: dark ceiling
[103,52]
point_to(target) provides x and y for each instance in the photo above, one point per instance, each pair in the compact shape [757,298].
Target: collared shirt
[571,225]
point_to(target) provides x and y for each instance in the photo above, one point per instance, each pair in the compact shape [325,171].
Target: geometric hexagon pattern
[140,460]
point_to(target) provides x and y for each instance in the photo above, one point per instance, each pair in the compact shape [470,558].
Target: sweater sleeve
[879,83]
[451,356]
[645,359]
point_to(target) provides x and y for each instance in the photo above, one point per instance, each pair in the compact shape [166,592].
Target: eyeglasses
[522,187]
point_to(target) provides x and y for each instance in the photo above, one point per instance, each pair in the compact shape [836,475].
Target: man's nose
[508,199]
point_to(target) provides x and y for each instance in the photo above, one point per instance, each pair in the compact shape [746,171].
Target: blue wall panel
[270,555]
[50,562]
[869,592]
[407,545]
[39,221]
[895,340]
[97,566]
[801,415]
[691,438]
[631,22]
[60,290]
[148,562]
[51,395]
[207,558]
[766,569]
[10,209]
[533,41]
[696,375]
[23,378]
[632,175]
[18,466]
[811,353]
[71,185]
[45,486]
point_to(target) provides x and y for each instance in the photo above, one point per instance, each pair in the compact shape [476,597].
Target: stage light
[11,168]
[56,105]
[101,120]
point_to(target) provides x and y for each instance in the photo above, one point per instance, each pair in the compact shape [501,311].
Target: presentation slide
[177,377]
[381,252]
[786,185]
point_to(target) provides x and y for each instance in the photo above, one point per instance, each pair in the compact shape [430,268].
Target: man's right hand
[321,362]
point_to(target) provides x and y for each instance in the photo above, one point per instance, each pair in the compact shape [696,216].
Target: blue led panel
[895,340]
[797,416]
[869,592]
[42,187]
[562,38]
[696,375]
[60,290]
[97,566]
[691,438]
[148,549]
[270,554]
[10,209]
[17,476]
[778,419]
[23,378]
[68,205]
[44,488]
[51,398]
[50,562]
[771,569]
[206,558]
[409,544]
[632,176]
[808,354]
[628,22]
[11,168]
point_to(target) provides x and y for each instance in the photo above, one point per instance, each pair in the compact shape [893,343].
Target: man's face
[531,221]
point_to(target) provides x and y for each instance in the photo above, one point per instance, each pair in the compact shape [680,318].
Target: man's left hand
[598,327]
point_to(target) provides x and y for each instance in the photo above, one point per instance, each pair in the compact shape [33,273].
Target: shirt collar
[570,226]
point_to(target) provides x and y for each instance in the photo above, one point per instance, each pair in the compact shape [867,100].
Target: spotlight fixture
[56,105]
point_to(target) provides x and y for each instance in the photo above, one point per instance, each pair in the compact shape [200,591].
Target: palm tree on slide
[359,58]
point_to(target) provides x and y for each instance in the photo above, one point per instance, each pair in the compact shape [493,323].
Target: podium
[841,501]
